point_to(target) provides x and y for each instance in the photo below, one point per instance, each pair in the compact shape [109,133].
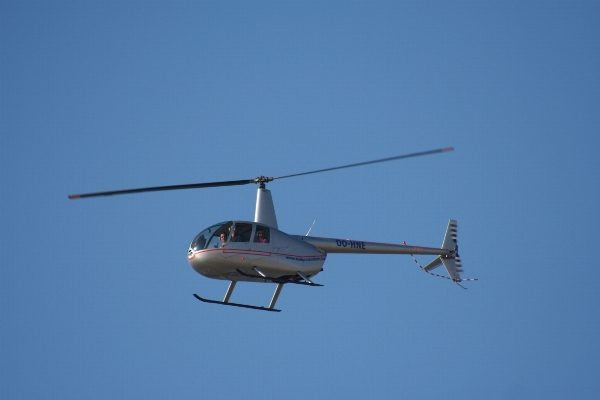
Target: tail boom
[332,245]
[447,254]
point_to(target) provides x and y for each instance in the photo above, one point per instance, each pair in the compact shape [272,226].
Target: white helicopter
[257,251]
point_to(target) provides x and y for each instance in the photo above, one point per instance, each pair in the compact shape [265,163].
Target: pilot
[235,237]
[260,236]
[223,240]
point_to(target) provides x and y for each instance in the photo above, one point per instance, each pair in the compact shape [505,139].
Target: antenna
[313,224]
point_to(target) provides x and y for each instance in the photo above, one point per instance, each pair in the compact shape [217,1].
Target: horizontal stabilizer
[433,265]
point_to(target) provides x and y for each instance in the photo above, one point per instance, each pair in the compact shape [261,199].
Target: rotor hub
[262,180]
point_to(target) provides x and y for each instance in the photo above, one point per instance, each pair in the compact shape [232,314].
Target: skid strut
[275,295]
[229,291]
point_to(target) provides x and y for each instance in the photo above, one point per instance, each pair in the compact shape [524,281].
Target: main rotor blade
[260,179]
[422,153]
[162,188]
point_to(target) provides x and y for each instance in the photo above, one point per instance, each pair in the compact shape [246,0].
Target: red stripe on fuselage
[252,252]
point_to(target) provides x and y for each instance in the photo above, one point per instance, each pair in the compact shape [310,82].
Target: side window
[262,235]
[241,232]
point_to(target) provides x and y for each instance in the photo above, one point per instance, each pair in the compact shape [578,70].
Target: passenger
[235,237]
[223,240]
[260,236]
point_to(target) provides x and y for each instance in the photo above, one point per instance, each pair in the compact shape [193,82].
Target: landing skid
[235,304]
[226,302]
[280,282]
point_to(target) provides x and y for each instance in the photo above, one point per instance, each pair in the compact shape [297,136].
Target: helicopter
[257,251]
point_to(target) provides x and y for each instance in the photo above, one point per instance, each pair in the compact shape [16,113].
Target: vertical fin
[453,268]
[450,238]
[452,261]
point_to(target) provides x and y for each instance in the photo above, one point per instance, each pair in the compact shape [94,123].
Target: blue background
[96,295]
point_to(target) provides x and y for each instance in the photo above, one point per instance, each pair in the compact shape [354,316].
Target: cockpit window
[209,237]
[215,240]
[262,235]
[241,232]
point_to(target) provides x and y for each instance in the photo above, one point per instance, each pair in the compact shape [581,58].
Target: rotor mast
[265,210]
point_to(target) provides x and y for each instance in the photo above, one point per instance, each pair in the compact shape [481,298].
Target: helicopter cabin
[222,250]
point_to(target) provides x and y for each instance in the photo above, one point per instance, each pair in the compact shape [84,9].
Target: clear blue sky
[96,295]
